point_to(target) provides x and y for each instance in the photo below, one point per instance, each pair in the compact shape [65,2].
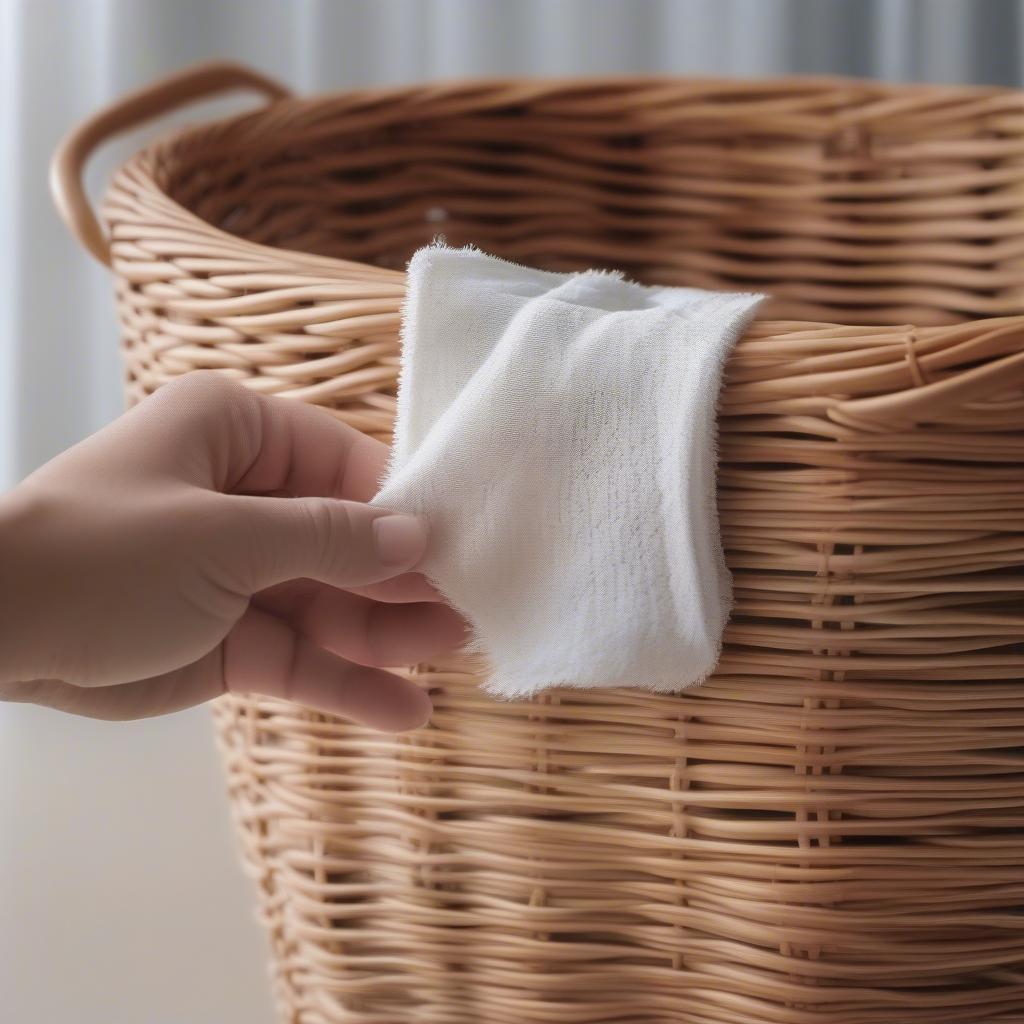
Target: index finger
[306,451]
[218,433]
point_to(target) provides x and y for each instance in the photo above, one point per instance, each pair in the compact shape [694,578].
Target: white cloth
[558,432]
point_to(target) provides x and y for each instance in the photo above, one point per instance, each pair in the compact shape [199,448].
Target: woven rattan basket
[832,828]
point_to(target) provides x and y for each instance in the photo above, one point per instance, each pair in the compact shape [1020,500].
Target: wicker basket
[832,829]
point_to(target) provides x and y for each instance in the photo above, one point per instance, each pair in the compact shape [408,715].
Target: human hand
[212,540]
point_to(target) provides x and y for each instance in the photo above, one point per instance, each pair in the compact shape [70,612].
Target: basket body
[832,828]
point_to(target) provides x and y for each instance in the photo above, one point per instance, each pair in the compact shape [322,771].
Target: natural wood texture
[832,829]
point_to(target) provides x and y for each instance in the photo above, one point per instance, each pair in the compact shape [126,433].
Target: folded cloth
[558,433]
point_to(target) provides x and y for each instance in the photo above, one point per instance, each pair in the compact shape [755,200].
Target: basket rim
[135,174]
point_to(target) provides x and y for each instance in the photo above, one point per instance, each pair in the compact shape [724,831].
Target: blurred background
[121,899]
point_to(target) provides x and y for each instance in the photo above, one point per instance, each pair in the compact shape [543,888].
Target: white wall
[121,900]
[120,897]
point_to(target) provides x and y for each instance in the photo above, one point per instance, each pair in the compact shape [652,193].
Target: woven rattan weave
[830,830]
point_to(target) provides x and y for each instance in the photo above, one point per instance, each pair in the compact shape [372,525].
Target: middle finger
[364,631]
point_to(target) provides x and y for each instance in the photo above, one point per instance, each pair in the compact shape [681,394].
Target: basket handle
[136,108]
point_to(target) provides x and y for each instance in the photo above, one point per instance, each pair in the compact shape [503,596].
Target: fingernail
[400,539]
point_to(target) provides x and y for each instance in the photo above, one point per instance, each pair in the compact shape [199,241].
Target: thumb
[341,543]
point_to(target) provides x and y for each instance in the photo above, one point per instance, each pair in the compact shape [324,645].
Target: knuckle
[28,691]
[50,693]
[211,394]
[332,528]
[202,386]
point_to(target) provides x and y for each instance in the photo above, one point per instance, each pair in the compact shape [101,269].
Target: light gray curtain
[119,896]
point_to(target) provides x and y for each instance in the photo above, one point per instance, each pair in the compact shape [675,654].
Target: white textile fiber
[558,432]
